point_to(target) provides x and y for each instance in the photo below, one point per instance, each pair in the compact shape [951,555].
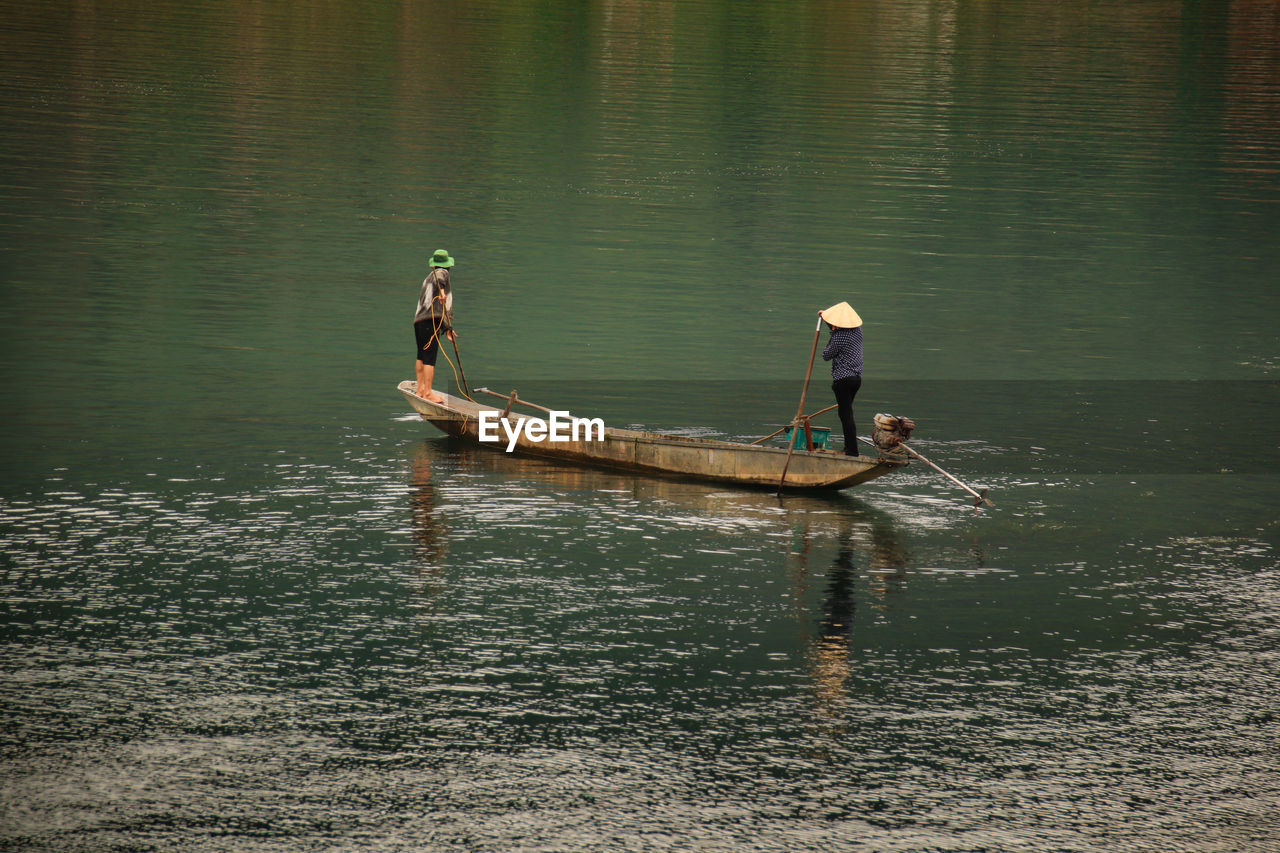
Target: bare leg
[424,384]
[428,374]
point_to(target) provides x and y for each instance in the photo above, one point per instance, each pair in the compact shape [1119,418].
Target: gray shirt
[435,303]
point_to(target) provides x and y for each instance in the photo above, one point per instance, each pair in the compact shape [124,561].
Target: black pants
[846,390]
[428,334]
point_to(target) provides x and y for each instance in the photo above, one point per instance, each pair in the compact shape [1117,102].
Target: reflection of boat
[654,453]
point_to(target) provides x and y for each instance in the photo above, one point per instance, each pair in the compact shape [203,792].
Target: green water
[248,602]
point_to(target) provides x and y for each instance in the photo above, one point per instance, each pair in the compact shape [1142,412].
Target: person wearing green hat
[433,318]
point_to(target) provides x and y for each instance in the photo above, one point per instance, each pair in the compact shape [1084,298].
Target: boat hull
[665,455]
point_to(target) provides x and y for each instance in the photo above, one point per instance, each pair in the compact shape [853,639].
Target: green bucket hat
[441,259]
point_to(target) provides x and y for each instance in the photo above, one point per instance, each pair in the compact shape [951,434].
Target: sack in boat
[891,431]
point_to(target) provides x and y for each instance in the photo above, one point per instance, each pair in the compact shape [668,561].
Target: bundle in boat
[890,431]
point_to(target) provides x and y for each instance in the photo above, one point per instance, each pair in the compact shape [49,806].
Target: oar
[518,400]
[813,351]
[791,445]
[454,340]
[978,498]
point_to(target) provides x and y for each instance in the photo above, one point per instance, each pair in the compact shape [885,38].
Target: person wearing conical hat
[844,351]
[433,318]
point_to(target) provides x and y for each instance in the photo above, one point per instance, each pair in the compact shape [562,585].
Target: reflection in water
[868,536]
[829,651]
[430,533]
[837,617]
[887,563]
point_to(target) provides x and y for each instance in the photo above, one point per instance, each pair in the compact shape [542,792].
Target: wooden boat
[670,455]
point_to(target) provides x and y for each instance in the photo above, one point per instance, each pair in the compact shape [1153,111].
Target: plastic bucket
[821,438]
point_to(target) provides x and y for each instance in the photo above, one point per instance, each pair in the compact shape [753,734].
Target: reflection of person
[837,621]
[429,530]
[844,351]
[829,650]
[433,317]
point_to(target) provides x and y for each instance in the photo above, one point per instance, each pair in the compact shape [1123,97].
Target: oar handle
[466,386]
[813,351]
[804,392]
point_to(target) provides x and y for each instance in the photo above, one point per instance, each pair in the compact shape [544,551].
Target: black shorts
[428,340]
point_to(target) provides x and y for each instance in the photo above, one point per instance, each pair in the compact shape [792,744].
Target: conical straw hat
[842,316]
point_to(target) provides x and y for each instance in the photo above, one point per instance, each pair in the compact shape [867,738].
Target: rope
[436,323]
[456,382]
